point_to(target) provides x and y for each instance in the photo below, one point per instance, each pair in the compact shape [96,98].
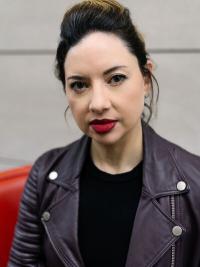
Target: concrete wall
[32,103]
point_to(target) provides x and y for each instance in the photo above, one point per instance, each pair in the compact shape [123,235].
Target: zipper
[173,212]
[66,261]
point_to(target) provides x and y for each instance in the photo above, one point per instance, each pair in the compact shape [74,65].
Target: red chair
[11,186]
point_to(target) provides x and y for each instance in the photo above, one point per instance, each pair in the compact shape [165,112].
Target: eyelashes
[80,86]
[118,78]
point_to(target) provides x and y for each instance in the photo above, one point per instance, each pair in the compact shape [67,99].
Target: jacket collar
[152,232]
[161,172]
[155,150]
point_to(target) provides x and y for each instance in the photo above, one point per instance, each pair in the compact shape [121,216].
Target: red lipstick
[103,126]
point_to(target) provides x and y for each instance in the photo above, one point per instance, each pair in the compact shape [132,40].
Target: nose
[100,100]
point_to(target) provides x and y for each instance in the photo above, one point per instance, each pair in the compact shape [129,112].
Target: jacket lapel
[63,196]
[152,233]
[62,230]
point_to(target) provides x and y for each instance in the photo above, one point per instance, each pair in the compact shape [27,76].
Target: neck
[119,157]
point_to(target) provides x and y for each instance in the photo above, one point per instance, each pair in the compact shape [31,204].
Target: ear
[147,80]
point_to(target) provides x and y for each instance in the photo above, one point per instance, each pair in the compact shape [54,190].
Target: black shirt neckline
[108,177]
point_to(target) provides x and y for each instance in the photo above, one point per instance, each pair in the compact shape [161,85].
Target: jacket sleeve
[26,245]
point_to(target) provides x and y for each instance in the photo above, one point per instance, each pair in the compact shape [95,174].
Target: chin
[106,139]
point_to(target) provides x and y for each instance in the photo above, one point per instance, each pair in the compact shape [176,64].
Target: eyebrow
[77,77]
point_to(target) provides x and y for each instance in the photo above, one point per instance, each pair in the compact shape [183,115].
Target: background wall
[32,102]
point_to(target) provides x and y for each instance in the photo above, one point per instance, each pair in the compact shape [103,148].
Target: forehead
[98,50]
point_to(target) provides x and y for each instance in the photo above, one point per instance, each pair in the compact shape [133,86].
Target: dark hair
[106,16]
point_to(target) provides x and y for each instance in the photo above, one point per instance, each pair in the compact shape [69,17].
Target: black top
[107,208]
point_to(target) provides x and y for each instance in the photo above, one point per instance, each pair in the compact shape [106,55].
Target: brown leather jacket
[166,230]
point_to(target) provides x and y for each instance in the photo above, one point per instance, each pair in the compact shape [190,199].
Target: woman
[121,195]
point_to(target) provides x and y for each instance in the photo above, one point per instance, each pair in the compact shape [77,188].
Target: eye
[116,79]
[78,86]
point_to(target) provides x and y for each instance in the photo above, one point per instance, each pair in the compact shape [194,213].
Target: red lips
[103,126]
[103,121]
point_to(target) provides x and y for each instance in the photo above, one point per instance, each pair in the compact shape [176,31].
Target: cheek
[133,100]
[78,108]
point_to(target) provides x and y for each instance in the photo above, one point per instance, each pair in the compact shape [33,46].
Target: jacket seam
[167,216]
[176,163]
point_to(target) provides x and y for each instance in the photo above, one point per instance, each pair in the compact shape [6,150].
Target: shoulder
[164,145]
[175,159]
[57,159]
[187,166]
[54,155]
[181,155]
[187,163]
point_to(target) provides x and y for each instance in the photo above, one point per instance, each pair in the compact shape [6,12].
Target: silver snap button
[177,230]
[53,175]
[46,216]
[181,185]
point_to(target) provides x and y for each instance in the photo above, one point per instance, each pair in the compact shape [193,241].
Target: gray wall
[32,103]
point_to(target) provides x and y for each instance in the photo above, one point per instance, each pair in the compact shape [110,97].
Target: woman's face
[104,82]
